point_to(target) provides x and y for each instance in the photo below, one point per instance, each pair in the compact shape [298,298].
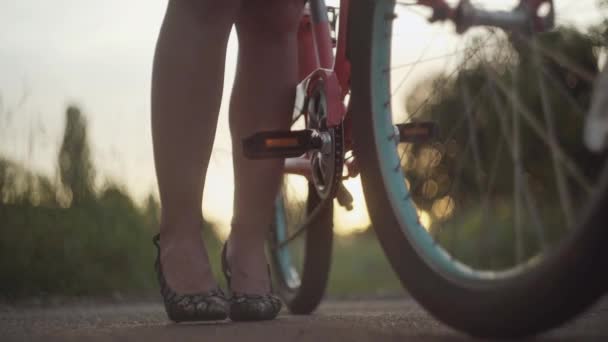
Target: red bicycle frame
[317,63]
[315,51]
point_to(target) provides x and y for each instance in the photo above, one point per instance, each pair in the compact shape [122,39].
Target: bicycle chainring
[328,162]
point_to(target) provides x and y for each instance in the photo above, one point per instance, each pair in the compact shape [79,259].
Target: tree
[475,93]
[75,167]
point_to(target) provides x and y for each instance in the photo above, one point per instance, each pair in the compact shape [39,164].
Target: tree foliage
[75,166]
[477,106]
[540,82]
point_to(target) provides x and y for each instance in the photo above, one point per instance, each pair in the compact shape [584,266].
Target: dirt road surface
[366,320]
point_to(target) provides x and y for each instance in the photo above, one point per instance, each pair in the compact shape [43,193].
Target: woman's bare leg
[262,99]
[186,94]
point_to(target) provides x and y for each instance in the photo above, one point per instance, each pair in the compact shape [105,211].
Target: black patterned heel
[208,306]
[250,307]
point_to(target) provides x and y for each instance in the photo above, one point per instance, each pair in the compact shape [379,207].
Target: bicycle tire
[548,293]
[301,284]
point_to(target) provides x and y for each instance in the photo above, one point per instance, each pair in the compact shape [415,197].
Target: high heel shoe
[207,306]
[250,307]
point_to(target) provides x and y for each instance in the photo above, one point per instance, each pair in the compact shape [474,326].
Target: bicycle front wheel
[497,226]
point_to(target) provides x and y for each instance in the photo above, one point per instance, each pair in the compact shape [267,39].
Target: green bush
[98,248]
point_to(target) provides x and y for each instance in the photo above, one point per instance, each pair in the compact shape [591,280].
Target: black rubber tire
[564,284]
[318,241]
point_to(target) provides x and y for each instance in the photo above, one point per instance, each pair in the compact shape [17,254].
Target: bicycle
[448,206]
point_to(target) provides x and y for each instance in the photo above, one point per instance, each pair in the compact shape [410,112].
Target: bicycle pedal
[281,144]
[417,132]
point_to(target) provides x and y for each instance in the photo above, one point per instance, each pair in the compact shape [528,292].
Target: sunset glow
[99,55]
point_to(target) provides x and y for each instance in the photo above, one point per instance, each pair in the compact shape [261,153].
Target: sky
[98,55]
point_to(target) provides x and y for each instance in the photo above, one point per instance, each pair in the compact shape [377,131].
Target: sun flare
[218,197]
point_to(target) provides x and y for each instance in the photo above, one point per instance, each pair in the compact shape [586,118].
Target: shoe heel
[247,307]
[207,306]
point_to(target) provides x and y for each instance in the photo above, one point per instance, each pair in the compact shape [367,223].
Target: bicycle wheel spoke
[409,73]
[447,78]
[562,187]
[475,151]
[457,181]
[537,222]
[529,199]
[563,92]
[517,176]
[565,61]
[521,111]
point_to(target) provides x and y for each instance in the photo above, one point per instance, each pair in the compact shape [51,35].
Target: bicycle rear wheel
[497,227]
[302,232]
[301,266]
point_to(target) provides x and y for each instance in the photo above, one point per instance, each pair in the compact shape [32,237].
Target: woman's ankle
[248,265]
[185,262]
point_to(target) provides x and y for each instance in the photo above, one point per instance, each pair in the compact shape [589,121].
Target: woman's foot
[192,293]
[248,276]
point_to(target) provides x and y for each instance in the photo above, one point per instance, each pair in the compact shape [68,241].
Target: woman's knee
[208,10]
[270,16]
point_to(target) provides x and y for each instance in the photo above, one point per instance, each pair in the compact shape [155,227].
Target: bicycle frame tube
[321,34]
[316,62]
[315,47]
[315,53]
[342,68]
[311,41]
[342,64]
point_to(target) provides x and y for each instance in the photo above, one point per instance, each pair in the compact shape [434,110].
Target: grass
[104,248]
[359,268]
[100,248]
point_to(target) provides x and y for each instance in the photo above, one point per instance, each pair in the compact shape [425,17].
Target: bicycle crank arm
[416,132]
[282,144]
